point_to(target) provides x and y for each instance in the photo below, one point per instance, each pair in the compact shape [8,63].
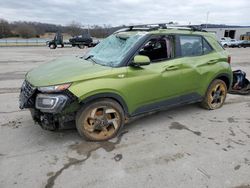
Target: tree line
[36,29]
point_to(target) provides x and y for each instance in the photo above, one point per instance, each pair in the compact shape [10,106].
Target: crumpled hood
[65,70]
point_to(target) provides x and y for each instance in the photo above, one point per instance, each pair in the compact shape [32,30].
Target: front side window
[158,49]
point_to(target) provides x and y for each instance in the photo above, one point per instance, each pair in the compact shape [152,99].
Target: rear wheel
[100,120]
[52,46]
[81,46]
[215,96]
[225,45]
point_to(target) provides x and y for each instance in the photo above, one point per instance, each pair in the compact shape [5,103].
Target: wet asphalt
[182,147]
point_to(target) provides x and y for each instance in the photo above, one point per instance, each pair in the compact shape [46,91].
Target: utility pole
[207,19]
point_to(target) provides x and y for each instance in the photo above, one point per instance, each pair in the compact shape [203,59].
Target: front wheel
[215,96]
[100,120]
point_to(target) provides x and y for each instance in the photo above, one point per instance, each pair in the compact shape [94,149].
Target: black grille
[25,99]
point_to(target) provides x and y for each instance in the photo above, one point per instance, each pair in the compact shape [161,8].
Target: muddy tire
[215,95]
[100,120]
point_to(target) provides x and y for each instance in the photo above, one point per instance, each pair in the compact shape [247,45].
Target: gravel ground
[182,147]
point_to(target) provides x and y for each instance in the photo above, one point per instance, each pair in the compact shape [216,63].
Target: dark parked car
[245,43]
[81,40]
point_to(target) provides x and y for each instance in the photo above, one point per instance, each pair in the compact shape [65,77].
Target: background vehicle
[132,72]
[228,42]
[245,43]
[80,41]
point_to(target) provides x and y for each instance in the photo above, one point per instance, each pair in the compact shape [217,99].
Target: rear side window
[194,46]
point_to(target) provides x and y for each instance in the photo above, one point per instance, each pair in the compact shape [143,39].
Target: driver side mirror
[140,60]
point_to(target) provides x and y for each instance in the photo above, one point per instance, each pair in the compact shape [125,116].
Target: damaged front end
[52,108]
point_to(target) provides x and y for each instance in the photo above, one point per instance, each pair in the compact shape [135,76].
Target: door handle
[211,62]
[169,68]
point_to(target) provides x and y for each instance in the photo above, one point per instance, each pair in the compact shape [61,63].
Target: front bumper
[47,109]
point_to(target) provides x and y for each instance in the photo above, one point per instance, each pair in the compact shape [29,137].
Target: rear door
[197,56]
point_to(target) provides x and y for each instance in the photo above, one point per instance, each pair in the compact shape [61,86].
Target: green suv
[132,72]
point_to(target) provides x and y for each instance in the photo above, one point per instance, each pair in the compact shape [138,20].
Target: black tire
[225,45]
[52,46]
[94,124]
[215,95]
[81,46]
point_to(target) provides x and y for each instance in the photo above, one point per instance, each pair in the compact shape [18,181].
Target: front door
[152,84]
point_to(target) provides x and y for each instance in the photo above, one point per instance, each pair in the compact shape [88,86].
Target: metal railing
[23,42]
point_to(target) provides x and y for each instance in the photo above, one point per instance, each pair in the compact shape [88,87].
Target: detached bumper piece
[241,85]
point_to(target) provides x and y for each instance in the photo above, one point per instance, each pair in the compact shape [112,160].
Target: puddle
[84,148]
[178,126]
[231,120]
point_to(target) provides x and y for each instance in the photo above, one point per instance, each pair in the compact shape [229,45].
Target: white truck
[228,42]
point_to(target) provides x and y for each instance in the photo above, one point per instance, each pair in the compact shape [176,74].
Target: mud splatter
[178,126]
[118,157]
[231,120]
[239,142]
[243,186]
[50,173]
[209,138]
[231,132]
[13,124]
[248,136]
[80,149]
[216,121]
[204,172]
[237,167]
[247,161]
[174,157]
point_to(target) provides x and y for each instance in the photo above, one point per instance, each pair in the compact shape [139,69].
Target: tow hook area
[47,122]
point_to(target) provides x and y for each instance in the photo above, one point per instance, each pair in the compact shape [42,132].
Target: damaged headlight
[56,88]
[51,103]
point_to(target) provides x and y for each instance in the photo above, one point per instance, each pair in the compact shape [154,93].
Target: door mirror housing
[140,60]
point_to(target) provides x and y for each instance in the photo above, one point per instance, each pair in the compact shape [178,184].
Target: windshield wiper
[91,58]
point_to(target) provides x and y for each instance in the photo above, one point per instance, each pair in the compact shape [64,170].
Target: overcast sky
[119,12]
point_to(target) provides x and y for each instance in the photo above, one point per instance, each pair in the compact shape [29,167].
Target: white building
[235,32]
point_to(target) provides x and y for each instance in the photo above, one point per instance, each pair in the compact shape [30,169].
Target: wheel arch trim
[113,96]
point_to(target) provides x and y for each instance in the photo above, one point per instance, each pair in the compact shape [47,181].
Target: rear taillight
[229,59]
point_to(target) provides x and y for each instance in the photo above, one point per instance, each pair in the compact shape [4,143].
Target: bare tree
[74,29]
[4,28]
[25,30]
